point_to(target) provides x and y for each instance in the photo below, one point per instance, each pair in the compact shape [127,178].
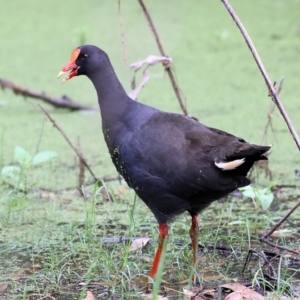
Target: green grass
[50,245]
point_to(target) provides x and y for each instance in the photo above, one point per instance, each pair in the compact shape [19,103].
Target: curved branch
[272,90]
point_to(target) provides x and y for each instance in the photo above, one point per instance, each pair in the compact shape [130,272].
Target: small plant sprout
[263,196]
[17,175]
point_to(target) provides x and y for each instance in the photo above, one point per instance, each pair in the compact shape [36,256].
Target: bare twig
[262,255]
[270,113]
[122,32]
[265,237]
[40,137]
[272,91]
[70,188]
[274,95]
[63,102]
[69,142]
[81,173]
[177,90]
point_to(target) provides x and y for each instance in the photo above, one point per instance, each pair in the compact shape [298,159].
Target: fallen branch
[272,90]
[82,159]
[172,76]
[63,102]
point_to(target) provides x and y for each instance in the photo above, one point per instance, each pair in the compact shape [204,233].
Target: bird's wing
[180,154]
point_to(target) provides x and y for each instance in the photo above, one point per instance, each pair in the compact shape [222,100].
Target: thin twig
[69,142]
[260,254]
[270,114]
[81,173]
[63,102]
[121,25]
[265,237]
[264,164]
[177,90]
[271,88]
[274,95]
[40,137]
[87,183]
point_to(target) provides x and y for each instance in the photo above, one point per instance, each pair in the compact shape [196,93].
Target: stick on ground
[63,102]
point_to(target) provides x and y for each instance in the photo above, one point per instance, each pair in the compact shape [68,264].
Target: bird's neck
[112,97]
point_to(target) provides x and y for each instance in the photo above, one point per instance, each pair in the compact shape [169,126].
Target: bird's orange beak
[71,67]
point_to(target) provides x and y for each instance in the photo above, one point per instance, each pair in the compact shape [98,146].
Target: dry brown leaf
[192,295]
[33,269]
[134,93]
[3,287]
[146,258]
[139,243]
[37,297]
[48,195]
[234,296]
[150,296]
[89,296]
[241,292]
[121,191]
[18,274]
[151,60]
[213,277]
[209,293]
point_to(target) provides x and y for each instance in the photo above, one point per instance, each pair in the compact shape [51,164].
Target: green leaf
[22,156]
[43,156]
[248,191]
[266,200]
[10,171]
[11,174]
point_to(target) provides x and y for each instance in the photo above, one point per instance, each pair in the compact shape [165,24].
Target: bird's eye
[85,56]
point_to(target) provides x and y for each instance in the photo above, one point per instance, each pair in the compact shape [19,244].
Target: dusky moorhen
[174,163]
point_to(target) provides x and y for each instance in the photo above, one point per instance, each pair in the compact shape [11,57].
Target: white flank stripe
[226,166]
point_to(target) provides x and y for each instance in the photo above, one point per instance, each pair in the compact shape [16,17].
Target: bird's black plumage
[170,160]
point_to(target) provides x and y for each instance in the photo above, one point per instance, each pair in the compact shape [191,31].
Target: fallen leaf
[150,296]
[209,293]
[3,287]
[48,195]
[191,295]
[241,292]
[139,243]
[89,296]
[18,274]
[121,191]
[146,258]
[234,296]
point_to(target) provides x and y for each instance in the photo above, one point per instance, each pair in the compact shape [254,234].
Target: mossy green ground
[218,76]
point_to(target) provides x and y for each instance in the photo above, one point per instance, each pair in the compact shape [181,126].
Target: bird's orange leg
[163,233]
[194,234]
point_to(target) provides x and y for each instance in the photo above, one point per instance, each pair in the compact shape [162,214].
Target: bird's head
[84,61]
